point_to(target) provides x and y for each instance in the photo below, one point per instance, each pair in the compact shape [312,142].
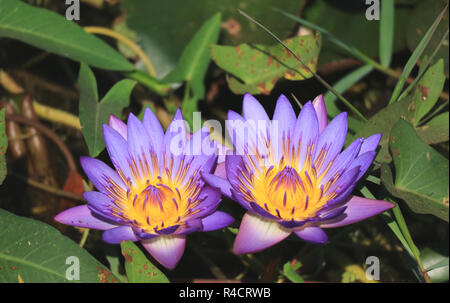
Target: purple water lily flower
[156,194]
[290,175]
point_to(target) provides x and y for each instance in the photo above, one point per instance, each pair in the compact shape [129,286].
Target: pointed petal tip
[178,115]
[370,143]
[112,120]
[81,216]
[321,112]
[132,117]
[358,209]
[283,98]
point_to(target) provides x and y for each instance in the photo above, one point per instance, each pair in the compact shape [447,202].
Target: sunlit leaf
[436,264]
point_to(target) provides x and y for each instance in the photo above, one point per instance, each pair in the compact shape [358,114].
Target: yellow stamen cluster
[285,188]
[156,198]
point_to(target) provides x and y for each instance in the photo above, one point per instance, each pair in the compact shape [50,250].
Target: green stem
[84,237]
[405,231]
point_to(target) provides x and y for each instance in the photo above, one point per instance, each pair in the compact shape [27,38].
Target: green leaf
[428,90]
[436,130]
[3,146]
[291,273]
[394,226]
[38,253]
[256,68]
[112,255]
[436,264]
[120,26]
[53,33]
[163,32]
[416,55]
[150,82]
[195,58]
[420,19]
[421,173]
[382,122]
[345,27]
[93,113]
[138,268]
[441,263]
[188,107]
[386,32]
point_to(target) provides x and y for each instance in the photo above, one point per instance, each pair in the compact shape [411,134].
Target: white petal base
[257,233]
[167,250]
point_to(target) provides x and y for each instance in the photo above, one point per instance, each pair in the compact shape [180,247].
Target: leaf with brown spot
[428,90]
[138,268]
[251,68]
[421,173]
[436,130]
[411,109]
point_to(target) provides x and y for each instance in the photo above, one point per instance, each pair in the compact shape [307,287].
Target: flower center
[284,189]
[155,203]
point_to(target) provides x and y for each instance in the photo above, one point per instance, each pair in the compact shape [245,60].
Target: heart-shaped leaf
[421,173]
[435,131]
